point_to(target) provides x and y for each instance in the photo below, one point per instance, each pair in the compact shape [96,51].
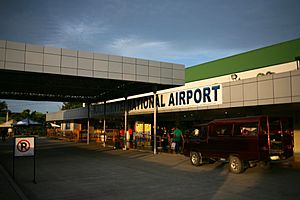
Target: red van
[241,141]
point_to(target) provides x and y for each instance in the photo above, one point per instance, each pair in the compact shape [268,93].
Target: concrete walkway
[79,171]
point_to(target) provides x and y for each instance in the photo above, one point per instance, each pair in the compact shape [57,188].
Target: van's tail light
[289,146]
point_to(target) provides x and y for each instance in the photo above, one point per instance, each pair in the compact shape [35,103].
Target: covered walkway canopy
[34,72]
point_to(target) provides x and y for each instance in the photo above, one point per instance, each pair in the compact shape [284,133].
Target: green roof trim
[263,57]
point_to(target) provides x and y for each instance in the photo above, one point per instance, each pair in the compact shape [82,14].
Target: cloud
[134,46]
[81,32]
[168,51]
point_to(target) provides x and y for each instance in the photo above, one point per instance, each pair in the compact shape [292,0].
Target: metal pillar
[88,126]
[125,124]
[154,123]
[104,123]
[6,114]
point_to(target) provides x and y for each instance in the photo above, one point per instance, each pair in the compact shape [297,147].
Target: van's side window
[246,129]
[263,127]
[200,132]
[223,130]
[203,132]
[195,132]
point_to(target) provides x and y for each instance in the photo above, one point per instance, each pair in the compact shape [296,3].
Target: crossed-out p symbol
[23,145]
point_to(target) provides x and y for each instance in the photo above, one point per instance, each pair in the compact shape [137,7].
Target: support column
[6,114]
[297,137]
[154,123]
[104,124]
[125,124]
[88,126]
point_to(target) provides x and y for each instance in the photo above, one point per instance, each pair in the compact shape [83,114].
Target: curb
[13,184]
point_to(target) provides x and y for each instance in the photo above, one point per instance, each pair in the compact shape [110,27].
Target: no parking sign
[24,146]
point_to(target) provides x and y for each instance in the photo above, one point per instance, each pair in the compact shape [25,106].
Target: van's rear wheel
[236,165]
[195,158]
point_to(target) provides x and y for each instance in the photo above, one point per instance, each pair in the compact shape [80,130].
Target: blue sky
[188,32]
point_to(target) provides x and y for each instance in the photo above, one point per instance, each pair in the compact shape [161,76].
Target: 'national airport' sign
[186,98]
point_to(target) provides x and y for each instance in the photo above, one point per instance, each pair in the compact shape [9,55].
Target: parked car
[241,141]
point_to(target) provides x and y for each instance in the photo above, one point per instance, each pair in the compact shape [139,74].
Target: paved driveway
[77,171]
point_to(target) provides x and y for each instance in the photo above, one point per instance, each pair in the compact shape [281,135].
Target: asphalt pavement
[66,170]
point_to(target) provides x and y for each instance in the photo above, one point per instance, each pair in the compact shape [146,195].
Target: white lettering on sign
[201,96]
[24,146]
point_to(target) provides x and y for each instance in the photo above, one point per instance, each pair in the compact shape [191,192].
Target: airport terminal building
[264,81]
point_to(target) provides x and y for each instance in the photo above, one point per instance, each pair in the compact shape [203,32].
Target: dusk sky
[188,32]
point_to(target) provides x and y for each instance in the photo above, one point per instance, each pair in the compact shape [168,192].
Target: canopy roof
[26,122]
[54,125]
[34,72]
[38,86]
[7,124]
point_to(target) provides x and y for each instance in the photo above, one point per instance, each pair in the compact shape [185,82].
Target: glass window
[68,126]
[195,132]
[264,127]
[275,125]
[200,132]
[246,129]
[223,130]
[203,132]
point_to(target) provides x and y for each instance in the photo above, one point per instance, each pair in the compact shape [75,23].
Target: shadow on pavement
[78,171]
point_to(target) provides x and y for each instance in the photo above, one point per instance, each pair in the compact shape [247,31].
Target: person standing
[165,139]
[177,138]
[3,133]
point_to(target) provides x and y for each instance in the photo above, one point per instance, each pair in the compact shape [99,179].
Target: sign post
[24,147]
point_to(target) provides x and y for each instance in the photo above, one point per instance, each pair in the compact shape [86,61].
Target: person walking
[178,137]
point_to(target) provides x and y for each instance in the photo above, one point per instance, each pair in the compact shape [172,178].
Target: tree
[25,114]
[3,109]
[3,106]
[71,105]
[35,116]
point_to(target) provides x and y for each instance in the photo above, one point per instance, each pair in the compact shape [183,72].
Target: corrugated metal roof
[263,57]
